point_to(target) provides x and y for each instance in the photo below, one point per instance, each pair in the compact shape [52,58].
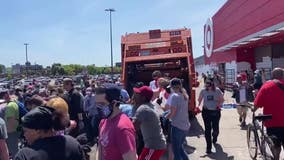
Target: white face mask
[88,93]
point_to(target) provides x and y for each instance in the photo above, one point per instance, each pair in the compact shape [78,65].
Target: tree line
[58,69]
[74,69]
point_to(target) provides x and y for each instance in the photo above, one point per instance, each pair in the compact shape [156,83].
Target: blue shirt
[90,105]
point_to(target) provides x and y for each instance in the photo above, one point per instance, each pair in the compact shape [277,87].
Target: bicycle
[261,142]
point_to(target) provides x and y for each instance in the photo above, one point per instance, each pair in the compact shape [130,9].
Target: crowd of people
[64,121]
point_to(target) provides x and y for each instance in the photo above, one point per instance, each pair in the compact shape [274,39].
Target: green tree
[69,70]
[91,69]
[56,69]
[2,68]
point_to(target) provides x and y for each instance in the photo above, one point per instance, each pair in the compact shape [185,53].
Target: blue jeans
[177,139]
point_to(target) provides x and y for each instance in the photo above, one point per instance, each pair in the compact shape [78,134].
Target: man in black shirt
[74,100]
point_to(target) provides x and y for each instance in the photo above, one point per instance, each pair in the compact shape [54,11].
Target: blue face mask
[106,111]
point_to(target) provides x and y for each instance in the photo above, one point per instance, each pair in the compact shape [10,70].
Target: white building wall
[243,66]
[278,62]
[230,72]
[205,68]
[266,63]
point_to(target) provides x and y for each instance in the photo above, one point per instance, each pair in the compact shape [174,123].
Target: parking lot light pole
[110,10]
[26,44]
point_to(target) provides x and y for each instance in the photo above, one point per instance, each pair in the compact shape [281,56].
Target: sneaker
[208,151]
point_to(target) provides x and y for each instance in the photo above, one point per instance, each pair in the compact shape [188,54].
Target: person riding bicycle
[270,98]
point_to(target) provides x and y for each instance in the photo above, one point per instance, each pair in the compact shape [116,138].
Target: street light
[110,28]
[26,44]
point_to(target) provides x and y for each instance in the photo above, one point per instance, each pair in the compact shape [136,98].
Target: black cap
[175,82]
[113,93]
[39,118]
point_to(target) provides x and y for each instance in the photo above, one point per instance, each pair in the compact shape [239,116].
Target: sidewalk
[231,144]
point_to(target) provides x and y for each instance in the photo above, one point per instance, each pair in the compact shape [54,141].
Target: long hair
[212,84]
[180,89]
[60,116]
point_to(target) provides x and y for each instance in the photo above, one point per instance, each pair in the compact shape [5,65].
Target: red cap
[30,87]
[144,91]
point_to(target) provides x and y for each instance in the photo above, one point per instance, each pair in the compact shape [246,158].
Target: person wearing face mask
[90,108]
[212,98]
[117,133]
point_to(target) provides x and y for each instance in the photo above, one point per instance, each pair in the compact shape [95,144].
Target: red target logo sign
[208,37]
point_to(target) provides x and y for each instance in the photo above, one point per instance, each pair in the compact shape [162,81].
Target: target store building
[245,35]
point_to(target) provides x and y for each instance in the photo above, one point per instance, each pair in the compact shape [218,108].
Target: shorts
[242,109]
[151,154]
[277,134]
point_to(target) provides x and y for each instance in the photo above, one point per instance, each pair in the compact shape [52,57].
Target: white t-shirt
[152,85]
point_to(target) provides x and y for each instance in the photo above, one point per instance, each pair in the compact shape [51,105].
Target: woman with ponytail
[179,116]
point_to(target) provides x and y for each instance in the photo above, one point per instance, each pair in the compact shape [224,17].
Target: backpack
[22,110]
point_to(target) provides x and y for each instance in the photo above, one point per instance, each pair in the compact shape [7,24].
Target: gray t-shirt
[3,129]
[150,127]
[180,119]
[211,98]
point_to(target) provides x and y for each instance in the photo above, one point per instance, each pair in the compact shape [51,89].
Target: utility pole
[110,10]
[26,44]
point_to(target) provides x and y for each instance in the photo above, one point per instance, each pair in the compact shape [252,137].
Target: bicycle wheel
[267,147]
[251,141]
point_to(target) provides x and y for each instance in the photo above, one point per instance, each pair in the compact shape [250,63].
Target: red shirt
[117,137]
[271,98]
[244,76]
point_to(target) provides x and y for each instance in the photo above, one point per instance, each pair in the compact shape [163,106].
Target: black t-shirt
[52,148]
[74,101]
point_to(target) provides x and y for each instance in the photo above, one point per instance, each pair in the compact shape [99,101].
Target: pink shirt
[117,137]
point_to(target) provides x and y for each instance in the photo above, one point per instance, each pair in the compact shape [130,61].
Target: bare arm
[221,100]
[166,107]
[200,99]
[130,155]
[4,154]
[99,152]
[11,124]
[172,113]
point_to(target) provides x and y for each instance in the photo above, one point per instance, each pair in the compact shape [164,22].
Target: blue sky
[77,31]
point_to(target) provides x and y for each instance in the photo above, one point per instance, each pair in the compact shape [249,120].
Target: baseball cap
[257,71]
[175,82]
[67,80]
[144,91]
[30,87]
